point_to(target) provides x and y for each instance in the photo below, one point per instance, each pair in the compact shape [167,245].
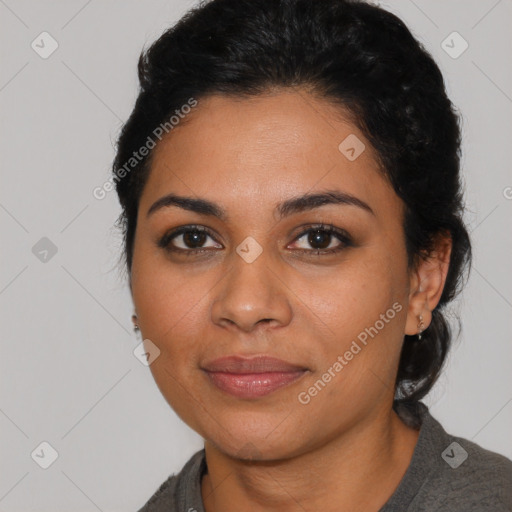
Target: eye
[188,239]
[323,239]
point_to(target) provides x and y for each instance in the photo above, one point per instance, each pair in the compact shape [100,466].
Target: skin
[346,449]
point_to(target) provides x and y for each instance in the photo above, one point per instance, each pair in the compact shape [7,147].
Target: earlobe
[135,323]
[426,286]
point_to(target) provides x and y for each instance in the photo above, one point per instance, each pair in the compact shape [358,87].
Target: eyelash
[341,235]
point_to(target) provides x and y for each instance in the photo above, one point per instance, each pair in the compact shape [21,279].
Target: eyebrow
[286,208]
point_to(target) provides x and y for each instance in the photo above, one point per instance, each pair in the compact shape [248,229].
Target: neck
[358,470]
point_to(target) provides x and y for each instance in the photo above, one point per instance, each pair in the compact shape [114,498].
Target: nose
[251,296]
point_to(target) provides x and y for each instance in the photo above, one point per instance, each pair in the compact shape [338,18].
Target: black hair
[352,54]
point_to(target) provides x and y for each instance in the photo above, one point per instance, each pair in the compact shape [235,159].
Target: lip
[252,377]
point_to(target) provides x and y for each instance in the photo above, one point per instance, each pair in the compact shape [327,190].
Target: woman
[292,217]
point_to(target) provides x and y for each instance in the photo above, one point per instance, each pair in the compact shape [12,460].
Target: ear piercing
[135,324]
[421,327]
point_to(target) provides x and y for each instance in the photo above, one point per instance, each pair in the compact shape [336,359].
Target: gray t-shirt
[446,474]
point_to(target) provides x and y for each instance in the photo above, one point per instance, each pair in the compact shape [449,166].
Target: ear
[426,283]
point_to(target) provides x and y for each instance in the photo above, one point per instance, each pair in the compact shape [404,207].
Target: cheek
[170,302]
[173,310]
[361,309]
[351,297]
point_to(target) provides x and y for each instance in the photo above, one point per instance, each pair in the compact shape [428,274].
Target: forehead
[250,152]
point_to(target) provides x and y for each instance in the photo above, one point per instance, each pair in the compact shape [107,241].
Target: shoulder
[163,498]
[463,476]
[180,491]
[473,478]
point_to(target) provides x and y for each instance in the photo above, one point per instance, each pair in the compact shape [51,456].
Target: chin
[253,438]
[257,451]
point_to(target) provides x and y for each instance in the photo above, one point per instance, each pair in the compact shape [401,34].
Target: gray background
[68,374]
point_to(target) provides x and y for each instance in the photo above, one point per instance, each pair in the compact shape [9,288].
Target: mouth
[253,377]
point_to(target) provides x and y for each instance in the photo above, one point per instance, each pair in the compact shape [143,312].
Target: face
[271,267]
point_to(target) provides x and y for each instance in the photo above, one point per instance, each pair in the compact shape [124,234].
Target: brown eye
[194,239]
[323,239]
[188,239]
[319,239]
